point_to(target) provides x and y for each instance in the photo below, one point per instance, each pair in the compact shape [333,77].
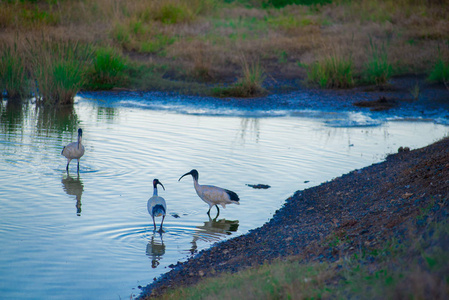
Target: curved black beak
[189,173]
[156,182]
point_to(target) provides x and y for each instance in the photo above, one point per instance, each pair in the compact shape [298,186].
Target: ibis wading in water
[156,204]
[212,195]
[74,150]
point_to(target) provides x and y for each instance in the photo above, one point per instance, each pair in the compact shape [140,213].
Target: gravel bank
[367,206]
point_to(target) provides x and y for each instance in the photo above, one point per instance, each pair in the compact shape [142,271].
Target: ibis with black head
[156,204]
[74,150]
[212,195]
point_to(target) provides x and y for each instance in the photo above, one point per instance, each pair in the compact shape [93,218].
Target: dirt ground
[362,208]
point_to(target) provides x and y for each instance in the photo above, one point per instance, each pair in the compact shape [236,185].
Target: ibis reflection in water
[74,187]
[213,230]
[212,195]
[156,204]
[74,150]
[155,250]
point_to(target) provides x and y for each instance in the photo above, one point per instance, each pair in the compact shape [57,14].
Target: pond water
[70,236]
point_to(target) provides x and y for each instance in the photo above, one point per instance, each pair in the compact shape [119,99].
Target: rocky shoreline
[362,208]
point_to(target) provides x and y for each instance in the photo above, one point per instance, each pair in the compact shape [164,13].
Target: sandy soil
[363,208]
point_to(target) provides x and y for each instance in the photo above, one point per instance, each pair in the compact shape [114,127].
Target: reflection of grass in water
[63,119]
[249,125]
[15,115]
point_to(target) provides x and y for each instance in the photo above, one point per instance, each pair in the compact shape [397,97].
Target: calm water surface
[90,236]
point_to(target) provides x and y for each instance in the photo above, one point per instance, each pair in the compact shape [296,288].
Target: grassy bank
[410,265]
[196,46]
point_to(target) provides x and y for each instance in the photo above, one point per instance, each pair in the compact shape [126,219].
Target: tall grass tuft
[13,79]
[107,70]
[377,69]
[332,72]
[440,72]
[249,85]
[58,70]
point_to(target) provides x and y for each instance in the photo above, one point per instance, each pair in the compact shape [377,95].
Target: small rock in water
[175,216]
[259,186]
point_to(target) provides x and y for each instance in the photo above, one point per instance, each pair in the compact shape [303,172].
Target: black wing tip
[158,208]
[233,195]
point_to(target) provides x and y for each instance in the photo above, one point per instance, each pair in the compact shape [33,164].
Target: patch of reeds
[377,69]
[332,72]
[58,70]
[108,70]
[250,84]
[13,77]
[440,71]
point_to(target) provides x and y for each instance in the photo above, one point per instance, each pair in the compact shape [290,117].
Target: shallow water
[90,235]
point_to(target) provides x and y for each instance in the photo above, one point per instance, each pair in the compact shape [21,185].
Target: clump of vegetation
[440,71]
[58,70]
[107,70]
[332,72]
[249,85]
[377,69]
[13,78]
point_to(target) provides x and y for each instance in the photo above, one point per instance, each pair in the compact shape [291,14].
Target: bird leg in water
[160,228]
[218,211]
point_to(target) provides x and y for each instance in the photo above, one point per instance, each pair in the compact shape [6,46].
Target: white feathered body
[156,206]
[73,150]
[214,195]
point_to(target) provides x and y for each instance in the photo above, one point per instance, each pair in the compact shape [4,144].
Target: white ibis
[212,195]
[74,150]
[156,204]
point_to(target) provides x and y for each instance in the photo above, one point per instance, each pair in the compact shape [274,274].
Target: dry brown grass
[203,39]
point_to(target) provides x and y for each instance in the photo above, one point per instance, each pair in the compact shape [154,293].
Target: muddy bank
[365,206]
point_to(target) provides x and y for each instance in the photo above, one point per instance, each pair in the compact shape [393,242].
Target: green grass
[13,77]
[248,85]
[58,70]
[413,268]
[156,44]
[108,70]
[377,69]
[332,72]
[440,71]
[173,13]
